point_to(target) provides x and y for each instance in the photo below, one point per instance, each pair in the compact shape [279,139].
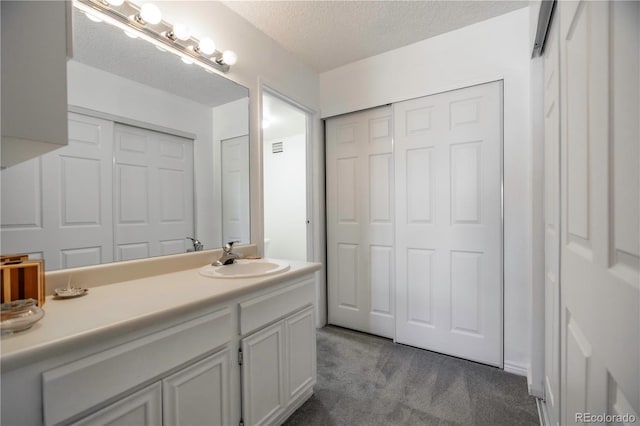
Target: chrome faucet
[197,245]
[228,257]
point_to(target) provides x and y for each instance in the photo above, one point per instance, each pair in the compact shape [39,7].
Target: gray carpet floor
[368,380]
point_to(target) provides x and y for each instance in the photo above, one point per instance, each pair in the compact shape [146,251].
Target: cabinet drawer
[76,387]
[143,408]
[262,310]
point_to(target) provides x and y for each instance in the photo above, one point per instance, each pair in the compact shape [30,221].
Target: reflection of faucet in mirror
[197,245]
[228,257]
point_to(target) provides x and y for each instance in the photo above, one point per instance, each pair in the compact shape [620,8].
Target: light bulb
[93,17]
[182,32]
[150,13]
[229,57]
[207,46]
[115,2]
[186,60]
[131,34]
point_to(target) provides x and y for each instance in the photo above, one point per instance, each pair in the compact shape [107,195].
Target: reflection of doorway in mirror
[235,189]
[285,177]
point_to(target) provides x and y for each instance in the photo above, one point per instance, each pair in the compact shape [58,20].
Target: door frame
[309,114]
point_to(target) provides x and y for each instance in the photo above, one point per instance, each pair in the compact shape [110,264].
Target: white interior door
[360,255]
[153,193]
[448,152]
[552,224]
[235,190]
[58,206]
[600,193]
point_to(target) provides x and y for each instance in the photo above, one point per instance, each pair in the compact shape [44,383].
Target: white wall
[495,49]
[285,198]
[101,91]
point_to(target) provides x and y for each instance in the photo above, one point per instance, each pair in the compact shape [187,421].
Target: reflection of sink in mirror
[245,268]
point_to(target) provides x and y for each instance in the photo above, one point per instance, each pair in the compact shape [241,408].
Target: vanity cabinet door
[300,344]
[143,408]
[198,394]
[263,393]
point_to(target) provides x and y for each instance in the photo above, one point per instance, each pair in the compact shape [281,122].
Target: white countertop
[126,306]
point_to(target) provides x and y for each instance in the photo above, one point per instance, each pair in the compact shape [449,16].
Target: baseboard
[516,368]
[534,390]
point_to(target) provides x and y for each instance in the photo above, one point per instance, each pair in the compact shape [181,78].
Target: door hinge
[240,359]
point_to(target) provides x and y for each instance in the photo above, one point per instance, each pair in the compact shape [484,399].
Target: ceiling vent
[276,147]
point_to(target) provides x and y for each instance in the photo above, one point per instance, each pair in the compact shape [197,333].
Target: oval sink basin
[245,268]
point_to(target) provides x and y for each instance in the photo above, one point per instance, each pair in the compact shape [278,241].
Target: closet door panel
[600,209]
[57,206]
[360,221]
[153,193]
[448,235]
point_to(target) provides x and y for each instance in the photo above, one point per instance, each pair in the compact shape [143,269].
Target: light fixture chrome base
[127,17]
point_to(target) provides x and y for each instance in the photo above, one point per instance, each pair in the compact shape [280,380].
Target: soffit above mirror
[102,46]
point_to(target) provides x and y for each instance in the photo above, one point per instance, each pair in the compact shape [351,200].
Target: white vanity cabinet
[142,408]
[188,361]
[195,395]
[36,41]
[279,359]
[248,358]
[198,394]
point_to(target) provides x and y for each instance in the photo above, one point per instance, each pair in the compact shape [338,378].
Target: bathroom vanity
[168,349]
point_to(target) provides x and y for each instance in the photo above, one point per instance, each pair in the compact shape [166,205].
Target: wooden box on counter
[22,278]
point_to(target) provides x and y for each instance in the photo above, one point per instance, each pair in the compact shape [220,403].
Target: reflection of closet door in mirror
[235,189]
[153,193]
[58,206]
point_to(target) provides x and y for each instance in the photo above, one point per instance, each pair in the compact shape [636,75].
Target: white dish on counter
[70,292]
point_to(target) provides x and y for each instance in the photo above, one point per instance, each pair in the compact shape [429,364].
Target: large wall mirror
[158,151]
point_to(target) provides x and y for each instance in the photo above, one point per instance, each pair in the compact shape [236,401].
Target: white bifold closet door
[57,206]
[153,193]
[600,205]
[448,243]
[360,256]
[552,224]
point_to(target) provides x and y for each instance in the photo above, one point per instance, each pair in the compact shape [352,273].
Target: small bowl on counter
[19,315]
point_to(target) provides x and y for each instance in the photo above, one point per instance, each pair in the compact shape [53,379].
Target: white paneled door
[153,193]
[600,190]
[360,259]
[552,224]
[448,241]
[235,190]
[58,206]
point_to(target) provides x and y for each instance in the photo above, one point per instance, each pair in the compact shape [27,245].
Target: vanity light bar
[126,16]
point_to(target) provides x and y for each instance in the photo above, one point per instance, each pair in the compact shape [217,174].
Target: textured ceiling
[328,34]
[107,48]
